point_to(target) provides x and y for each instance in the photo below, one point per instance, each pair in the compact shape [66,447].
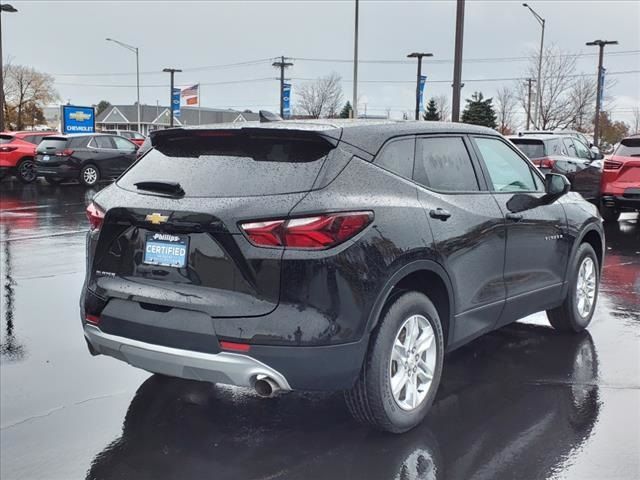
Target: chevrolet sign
[80,116]
[76,119]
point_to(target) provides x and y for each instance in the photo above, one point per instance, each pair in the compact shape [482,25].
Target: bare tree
[322,97]
[442,103]
[26,90]
[635,123]
[506,104]
[567,99]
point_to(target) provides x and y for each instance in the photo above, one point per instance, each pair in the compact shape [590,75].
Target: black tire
[609,214]
[86,178]
[54,180]
[566,317]
[26,171]
[371,400]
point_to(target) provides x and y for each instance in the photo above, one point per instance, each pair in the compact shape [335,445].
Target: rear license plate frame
[159,259]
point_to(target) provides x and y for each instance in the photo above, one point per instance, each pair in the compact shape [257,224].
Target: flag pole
[199,102]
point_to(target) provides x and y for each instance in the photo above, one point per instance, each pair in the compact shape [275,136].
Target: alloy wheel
[586,287]
[27,171]
[413,362]
[90,175]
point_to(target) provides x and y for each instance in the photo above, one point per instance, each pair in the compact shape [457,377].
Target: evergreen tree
[346,111]
[479,111]
[432,113]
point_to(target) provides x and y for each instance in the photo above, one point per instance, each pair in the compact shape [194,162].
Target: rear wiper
[171,188]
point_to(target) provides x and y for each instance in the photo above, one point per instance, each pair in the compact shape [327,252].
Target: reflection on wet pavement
[522,402]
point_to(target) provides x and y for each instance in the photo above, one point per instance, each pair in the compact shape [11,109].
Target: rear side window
[229,164]
[103,142]
[629,147]
[443,163]
[397,157]
[570,147]
[531,148]
[507,171]
[78,142]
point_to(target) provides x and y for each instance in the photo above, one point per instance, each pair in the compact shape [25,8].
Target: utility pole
[538,104]
[354,103]
[419,56]
[282,65]
[457,64]
[529,82]
[172,72]
[9,9]
[596,127]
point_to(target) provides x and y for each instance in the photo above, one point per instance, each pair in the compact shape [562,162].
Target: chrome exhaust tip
[265,386]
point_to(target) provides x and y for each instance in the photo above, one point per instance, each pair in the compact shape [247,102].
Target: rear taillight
[612,165]
[95,216]
[317,232]
[65,153]
[8,149]
[545,162]
[93,319]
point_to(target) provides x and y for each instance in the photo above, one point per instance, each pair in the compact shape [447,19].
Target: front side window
[582,150]
[507,170]
[443,163]
[397,157]
[122,144]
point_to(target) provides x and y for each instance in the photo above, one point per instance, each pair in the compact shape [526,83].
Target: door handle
[439,213]
[516,217]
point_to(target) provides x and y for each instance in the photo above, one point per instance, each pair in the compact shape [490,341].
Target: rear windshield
[629,147]
[531,148]
[5,139]
[232,164]
[52,143]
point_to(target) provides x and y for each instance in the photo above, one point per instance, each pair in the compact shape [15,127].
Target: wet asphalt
[522,402]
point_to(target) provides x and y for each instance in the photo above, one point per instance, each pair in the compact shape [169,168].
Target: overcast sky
[67,39]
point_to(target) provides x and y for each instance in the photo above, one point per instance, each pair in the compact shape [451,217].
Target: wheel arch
[594,236]
[424,276]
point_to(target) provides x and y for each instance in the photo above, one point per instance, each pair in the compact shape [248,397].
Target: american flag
[191,91]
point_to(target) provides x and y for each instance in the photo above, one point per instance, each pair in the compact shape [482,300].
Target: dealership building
[155,117]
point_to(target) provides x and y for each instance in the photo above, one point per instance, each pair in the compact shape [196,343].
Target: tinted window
[397,157]
[531,148]
[126,134]
[239,165]
[78,142]
[629,147]
[30,139]
[582,150]
[5,139]
[52,143]
[554,147]
[103,142]
[444,164]
[507,171]
[122,144]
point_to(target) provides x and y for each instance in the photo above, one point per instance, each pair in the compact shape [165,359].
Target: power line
[163,85]
[466,60]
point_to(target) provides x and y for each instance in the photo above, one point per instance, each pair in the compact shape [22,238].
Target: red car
[130,135]
[621,180]
[16,154]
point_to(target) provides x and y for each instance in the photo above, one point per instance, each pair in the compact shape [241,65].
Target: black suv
[88,158]
[328,256]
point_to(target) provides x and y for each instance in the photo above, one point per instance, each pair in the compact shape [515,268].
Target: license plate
[166,250]
[45,158]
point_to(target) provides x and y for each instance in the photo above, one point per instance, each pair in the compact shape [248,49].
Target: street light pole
[5,7]
[457,63]
[282,65]
[538,104]
[172,72]
[529,82]
[136,51]
[419,56]
[596,124]
[354,106]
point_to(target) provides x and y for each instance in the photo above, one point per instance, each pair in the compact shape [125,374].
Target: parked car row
[87,158]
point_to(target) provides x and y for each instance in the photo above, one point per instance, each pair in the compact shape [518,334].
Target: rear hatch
[171,234]
[52,151]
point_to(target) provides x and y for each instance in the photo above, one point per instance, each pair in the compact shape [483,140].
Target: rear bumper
[223,367]
[628,200]
[58,171]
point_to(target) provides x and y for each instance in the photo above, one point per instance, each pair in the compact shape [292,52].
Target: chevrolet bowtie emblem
[156,218]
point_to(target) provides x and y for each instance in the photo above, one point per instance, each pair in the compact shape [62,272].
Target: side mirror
[597,156]
[556,185]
